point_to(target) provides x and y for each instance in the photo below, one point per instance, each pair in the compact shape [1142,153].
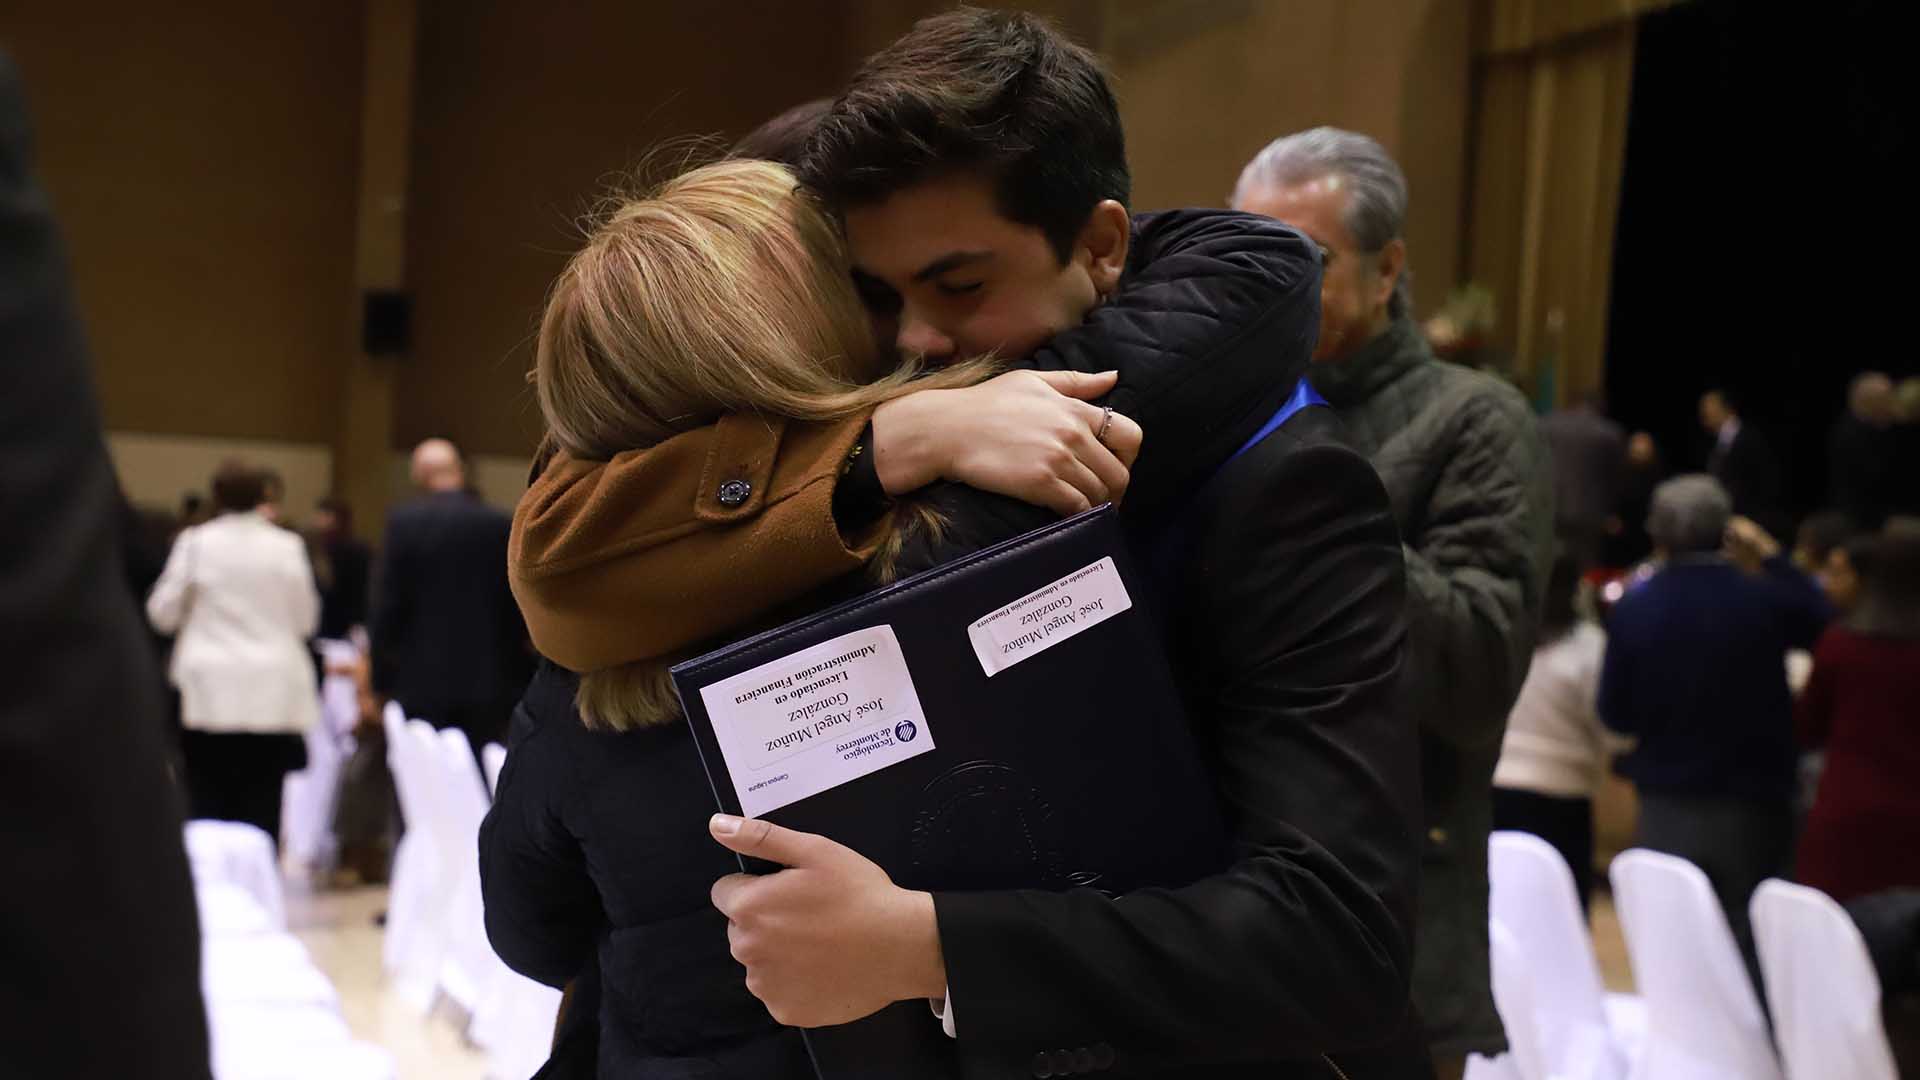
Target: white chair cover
[267,969]
[1703,1019]
[230,911]
[515,1024]
[328,1061]
[493,758]
[1821,986]
[417,899]
[235,853]
[468,965]
[309,795]
[1534,898]
[1514,995]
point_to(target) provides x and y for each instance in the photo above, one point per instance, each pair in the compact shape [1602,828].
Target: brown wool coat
[637,558]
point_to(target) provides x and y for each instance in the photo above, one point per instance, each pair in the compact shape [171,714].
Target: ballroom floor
[338,929]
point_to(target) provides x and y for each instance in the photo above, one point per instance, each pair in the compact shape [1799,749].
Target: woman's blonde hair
[726,289]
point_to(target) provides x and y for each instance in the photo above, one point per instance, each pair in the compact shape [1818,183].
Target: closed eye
[947,289]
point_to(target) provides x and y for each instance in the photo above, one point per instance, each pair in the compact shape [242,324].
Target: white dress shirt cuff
[943,1008]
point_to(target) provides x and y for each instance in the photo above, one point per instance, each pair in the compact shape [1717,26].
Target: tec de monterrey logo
[905,731]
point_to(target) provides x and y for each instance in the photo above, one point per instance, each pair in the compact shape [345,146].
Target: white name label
[816,719]
[1046,617]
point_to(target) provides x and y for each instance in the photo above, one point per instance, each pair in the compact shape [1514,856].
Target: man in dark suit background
[97,924]
[1743,462]
[1589,474]
[448,640]
[1861,453]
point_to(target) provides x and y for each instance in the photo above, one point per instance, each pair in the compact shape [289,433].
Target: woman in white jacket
[238,593]
[1556,748]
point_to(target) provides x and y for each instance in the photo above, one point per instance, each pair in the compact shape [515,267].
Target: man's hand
[1748,545]
[1029,435]
[829,940]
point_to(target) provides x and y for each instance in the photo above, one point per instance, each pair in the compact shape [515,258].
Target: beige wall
[205,161]
[523,112]
[155,470]
[1201,97]
[202,160]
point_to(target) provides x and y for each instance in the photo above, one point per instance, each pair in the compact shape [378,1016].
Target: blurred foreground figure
[99,943]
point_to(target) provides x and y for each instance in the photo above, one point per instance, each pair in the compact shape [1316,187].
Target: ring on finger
[1106,421]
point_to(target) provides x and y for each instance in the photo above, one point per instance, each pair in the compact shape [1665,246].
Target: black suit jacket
[1860,463]
[1287,625]
[99,943]
[446,632]
[1751,475]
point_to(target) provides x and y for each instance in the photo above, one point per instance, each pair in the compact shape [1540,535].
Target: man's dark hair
[999,94]
[238,486]
[783,138]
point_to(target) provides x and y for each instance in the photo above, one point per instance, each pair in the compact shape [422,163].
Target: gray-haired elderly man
[1694,670]
[1468,475]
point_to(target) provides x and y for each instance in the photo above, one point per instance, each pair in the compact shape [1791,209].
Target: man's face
[1355,285]
[1641,453]
[951,277]
[1713,412]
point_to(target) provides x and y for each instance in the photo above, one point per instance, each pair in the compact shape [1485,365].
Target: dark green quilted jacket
[1468,474]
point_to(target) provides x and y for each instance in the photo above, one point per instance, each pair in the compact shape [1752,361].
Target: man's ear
[1103,241]
[1393,261]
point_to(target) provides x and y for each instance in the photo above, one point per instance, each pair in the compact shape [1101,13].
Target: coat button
[734,492]
[1083,1060]
[1042,1065]
[1102,1056]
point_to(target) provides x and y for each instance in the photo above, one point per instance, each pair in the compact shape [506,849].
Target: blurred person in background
[1695,671]
[448,641]
[1555,750]
[1860,451]
[1818,536]
[1741,459]
[1589,472]
[101,944]
[238,596]
[1845,569]
[1903,492]
[273,497]
[1862,706]
[193,510]
[1627,541]
[1469,477]
[346,587]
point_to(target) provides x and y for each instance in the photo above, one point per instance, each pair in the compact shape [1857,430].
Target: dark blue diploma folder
[1071,765]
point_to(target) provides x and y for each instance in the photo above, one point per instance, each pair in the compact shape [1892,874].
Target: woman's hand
[1028,435]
